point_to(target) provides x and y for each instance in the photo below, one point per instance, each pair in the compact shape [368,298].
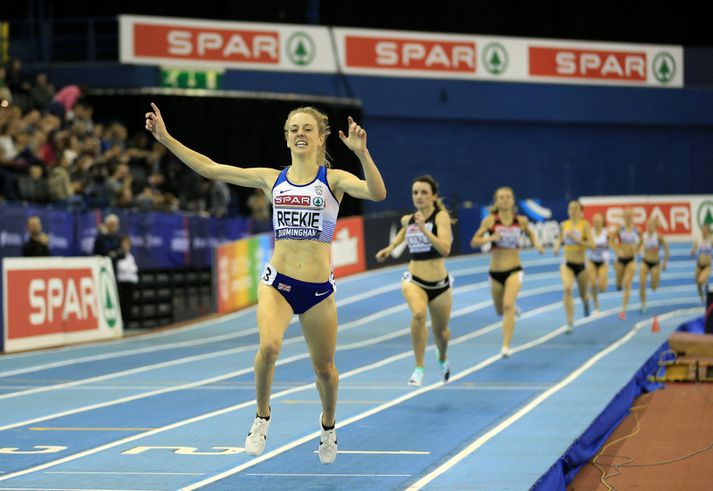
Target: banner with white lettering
[220,45]
[193,43]
[680,218]
[58,301]
[493,58]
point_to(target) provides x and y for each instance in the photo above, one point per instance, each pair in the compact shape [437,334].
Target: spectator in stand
[119,183]
[127,277]
[60,181]
[33,187]
[18,85]
[29,144]
[145,200]
[82,118]
[41,92]
[36,245]
[108,242]
[97,192]
[64,100]
[114,136]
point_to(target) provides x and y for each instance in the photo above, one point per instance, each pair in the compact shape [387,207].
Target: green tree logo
[704,215]
[495,58]
[108,298]
[301,49]
[664,67]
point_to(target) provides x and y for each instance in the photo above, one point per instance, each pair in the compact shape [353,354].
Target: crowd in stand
[53,151]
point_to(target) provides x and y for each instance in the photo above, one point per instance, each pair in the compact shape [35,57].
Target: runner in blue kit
[298,279]
[426,285]
[598,263]
[625,243]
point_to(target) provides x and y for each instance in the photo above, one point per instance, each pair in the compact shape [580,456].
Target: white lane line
[410,395]
[380,452]
[465,386]
[539,400]
[75,489]
[112,473]
[262,474]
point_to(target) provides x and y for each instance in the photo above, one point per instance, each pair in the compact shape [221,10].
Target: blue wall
[546,141]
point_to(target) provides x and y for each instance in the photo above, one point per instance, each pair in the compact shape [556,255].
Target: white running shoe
[327,444]
[445,367]
[569,329]
[445,371]
[255,441]
[416,378]
[505,352]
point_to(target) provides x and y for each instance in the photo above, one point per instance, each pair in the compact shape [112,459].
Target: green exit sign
[190,79]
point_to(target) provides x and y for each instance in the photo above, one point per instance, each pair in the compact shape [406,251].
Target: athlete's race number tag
[269,274]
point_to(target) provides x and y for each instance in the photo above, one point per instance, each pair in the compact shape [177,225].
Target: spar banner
[680,218]
[237,269]
[217,45]
[220,45]
[493,58]
[58,301]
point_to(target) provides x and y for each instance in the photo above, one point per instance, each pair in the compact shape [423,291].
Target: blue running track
[170,410]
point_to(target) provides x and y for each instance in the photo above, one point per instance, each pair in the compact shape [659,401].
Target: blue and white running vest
[600,253]
[304,211]
[651,241]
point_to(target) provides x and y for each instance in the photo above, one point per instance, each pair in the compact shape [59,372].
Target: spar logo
[588,64]
[318,201]
[704,215]
[49,301]
[108,298]
[301,49]
[206,43]
[293,200]
[674,218]
[664,67]
[410,54]
[495,58]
